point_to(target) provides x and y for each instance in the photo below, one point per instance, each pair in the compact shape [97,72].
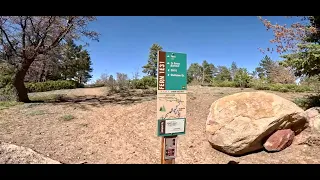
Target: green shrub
[263,85]
[291,87]
[242,78]
[149,81]
[296,88]
[303,89]
[137,84]
[283,89]
[51,85]
[6,87]
[144,83]
[7,93]
[277,87]
[259,85]
[308,101]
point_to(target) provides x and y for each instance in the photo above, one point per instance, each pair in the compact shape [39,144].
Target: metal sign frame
[161,127]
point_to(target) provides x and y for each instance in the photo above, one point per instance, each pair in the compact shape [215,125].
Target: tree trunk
[65,75]
[203,76]
[18,82]
[42,72]
[80,80]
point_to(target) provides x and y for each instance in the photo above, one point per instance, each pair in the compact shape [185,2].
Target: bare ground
[122,129]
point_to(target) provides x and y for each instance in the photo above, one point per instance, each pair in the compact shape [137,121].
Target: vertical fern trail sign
[171,102]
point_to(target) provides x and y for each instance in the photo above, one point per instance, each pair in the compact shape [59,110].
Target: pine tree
[233,69]
[151,67]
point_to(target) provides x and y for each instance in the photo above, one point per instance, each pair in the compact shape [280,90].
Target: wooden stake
[165,161]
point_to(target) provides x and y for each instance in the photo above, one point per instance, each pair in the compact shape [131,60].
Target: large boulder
[13,154]
[240,123]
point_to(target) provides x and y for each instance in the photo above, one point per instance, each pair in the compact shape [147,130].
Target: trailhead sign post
[171,102]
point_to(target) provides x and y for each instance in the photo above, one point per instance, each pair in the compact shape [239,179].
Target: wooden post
[163,149]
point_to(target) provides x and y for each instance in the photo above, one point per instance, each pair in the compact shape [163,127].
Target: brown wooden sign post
[171,102]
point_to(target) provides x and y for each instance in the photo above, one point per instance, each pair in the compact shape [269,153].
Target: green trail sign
[171,102]
[172,71]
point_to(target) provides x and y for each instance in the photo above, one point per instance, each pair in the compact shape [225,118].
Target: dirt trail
[114,133]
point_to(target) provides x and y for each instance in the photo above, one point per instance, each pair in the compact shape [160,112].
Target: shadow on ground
[123,98]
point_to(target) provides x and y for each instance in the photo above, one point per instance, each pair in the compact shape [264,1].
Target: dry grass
[7,104]
[67,117]
[104,129]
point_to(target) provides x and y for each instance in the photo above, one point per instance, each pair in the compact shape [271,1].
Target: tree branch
[61,35]
[7,38]
[33,29]
[23,25]
[45,33]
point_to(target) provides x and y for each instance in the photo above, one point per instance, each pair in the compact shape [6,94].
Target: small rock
[233,162]
[48,155]
[279,140]
[191,146]
[61,144]
[79,148]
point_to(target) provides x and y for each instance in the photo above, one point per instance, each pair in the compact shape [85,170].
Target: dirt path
[114,133]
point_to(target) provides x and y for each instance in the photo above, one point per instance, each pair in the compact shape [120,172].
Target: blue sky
[125,40]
